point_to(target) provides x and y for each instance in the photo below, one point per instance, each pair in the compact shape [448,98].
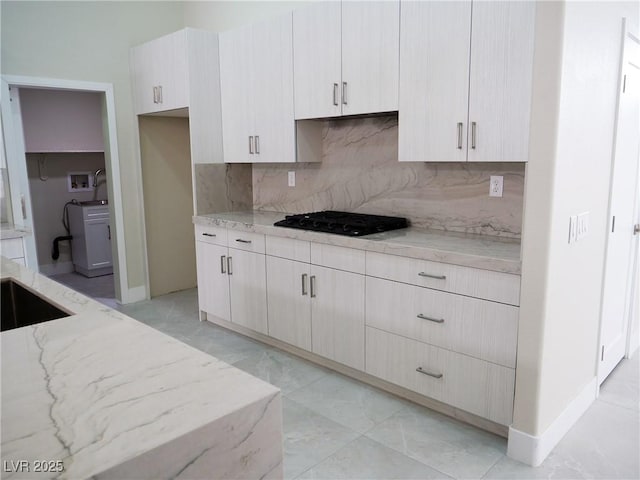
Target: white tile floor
[338,428]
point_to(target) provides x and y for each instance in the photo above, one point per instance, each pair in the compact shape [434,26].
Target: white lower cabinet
[232,280]
[443,331]
[337,313]
[482,388]
[213,281]
[288,301]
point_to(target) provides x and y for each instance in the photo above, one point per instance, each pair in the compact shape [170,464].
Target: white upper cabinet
[178,75]
[465,81]
[160,74]
[434,81]
[256,77]
[346,58]
[500,81]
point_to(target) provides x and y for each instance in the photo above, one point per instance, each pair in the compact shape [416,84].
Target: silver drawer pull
[431,374]
[209,234]
[428,275]
[229,266]
[240,240]
[312,284]
[223,262]
[304,284]
[431,319]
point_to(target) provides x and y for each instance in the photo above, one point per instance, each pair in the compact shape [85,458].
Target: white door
[248,286]
[434,81]
[617,295]
[273,91]
[370,56]
[236,98]
[288,303]
[213,281]
[337,315]
[502,37]
[317,60]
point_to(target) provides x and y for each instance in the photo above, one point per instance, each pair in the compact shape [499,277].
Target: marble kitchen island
[100,395]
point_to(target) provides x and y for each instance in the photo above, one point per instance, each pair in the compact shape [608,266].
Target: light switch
[582,227]
[292,179]
[573,226]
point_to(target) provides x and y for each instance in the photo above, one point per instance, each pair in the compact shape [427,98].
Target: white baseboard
[135,294]
[531,449]
[50,269]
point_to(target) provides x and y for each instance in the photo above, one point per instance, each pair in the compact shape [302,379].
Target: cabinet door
[434,81]
[288,303]
[236,99]
[171,70]
[273,91]
[337,315]
[500,81]
[317,60]
[370,56]
[247,280]
[98,237]
[142,70]
[213,281]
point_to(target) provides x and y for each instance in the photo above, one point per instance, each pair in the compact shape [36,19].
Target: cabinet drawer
[482,388]
[341,258]
[248,241]
[479,328]
[210,234]
[12,248]
[289,248]
[474,282]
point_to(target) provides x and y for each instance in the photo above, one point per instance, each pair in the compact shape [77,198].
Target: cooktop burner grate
[343,223]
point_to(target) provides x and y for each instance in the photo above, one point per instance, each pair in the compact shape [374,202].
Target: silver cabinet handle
[209,234]
[257,143]
[240,240]
[109,232]
[335,94]
[429,275]
[473,135]
[229,266]
[23,206]
[222,264]
[251,144]
[636,228]
[304,284]
[431,319]
[431,374]
[312,284]
[155,94]
[344,93]
[459,135]
[160,99]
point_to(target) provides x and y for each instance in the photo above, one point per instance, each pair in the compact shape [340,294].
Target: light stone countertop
[478,251]
[113,398]
[9,230]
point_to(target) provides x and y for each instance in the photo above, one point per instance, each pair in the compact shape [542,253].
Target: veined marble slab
[112,398]
[478,251]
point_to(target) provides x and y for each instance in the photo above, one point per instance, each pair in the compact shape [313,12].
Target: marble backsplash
[222,187]
[360,172]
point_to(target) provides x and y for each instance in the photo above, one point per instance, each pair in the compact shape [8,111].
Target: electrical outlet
[495,185]
[573,227]
[582,227]
[292,179]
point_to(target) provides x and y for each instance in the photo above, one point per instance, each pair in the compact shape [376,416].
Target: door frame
[17,167]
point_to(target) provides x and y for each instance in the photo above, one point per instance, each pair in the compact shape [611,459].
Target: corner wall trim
[531,449]
[135,294]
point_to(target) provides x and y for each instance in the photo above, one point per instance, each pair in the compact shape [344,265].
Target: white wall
[568,173]
[90,41]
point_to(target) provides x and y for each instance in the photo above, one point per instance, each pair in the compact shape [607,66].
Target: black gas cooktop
[343,223]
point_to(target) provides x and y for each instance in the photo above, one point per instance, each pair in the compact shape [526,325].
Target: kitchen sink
[21,307]
[94,203]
